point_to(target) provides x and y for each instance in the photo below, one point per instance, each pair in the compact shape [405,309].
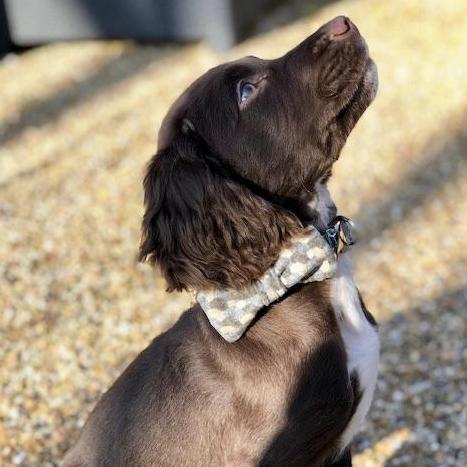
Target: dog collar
[310,257]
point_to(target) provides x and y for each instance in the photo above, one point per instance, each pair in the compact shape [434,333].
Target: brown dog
[243,160]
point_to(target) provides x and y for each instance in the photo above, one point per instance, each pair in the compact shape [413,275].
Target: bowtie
[310,257]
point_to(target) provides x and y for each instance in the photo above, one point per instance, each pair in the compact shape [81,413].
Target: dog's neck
[320,210]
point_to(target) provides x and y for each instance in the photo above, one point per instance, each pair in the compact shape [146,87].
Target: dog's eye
[245,91]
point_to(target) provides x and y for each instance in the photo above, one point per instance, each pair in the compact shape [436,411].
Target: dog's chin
[354,107]
[370,80]
[362,97]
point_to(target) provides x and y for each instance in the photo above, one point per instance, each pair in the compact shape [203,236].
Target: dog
[243,160]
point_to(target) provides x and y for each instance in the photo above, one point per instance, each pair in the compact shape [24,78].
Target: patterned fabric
[309,258]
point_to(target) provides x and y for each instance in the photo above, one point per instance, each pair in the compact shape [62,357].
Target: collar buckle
[339,234]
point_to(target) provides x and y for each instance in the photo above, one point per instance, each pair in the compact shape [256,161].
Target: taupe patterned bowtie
[308,258]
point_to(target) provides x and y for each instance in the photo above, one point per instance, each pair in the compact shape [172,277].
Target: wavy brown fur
[203,229]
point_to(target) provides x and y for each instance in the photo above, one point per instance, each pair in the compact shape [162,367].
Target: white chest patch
[361,341]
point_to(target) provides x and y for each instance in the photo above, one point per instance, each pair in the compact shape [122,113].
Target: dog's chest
[360,339]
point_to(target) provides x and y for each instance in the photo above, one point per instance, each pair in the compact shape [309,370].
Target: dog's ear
[203,229]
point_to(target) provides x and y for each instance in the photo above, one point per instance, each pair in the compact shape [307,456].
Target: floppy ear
[203,229]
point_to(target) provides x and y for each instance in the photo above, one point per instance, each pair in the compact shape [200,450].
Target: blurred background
[78,122]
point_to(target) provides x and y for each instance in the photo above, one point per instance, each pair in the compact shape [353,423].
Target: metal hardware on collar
[339,234]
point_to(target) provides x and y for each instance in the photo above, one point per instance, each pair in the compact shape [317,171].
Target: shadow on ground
[421,370]
[424,178]
[39,113]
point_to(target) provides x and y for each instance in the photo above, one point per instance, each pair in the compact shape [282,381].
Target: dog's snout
[338,28]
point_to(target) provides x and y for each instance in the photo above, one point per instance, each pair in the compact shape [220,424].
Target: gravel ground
[77,124]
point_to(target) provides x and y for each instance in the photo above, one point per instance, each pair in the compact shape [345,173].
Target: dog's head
[244,144]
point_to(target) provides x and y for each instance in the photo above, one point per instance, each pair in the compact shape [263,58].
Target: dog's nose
[338,27]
